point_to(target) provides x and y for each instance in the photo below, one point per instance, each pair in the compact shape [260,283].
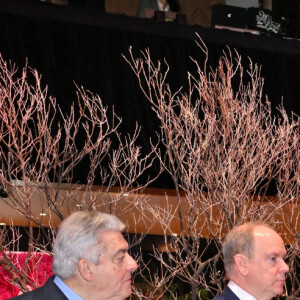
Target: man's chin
[127,290]
[279,290]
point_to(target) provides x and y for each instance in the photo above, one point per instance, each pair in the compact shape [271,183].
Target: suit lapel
[229,294]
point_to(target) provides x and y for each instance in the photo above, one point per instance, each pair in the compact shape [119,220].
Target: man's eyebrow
[278,254]
[120,251]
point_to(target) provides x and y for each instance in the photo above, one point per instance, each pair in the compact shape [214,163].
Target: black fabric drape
[69,44]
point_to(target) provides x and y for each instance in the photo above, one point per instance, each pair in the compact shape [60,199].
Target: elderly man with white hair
[91,261]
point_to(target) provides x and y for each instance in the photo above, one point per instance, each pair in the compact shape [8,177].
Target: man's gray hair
[240,240]
[78,237]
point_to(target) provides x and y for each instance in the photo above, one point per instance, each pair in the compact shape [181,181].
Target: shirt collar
[69,293]
[160,6]
[239,292]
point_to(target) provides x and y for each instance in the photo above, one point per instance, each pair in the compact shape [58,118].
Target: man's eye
[273,259]
[120,259]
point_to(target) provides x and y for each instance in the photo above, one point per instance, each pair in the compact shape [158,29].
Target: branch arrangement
[219,141]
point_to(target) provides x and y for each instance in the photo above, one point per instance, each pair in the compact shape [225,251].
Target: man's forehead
[113,240]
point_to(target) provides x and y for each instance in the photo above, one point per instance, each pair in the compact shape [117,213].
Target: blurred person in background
[162,5]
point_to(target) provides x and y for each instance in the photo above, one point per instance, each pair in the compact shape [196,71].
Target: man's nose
[285,268]
[132,265]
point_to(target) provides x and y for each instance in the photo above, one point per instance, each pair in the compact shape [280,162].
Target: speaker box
[229,16]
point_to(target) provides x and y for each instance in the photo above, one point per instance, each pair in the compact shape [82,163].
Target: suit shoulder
[29,295]
[47,292]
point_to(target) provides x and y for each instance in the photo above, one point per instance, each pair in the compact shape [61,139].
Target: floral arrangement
[39,268]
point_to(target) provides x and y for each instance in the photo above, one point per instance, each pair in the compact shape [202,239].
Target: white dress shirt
[239,292]
[160,6]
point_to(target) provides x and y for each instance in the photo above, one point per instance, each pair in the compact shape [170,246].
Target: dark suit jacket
[146,4]
[49,291]
[174,6]
[227,295]
[98,5]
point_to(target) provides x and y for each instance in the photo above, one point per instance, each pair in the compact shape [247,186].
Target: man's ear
[241,263]
[85,269]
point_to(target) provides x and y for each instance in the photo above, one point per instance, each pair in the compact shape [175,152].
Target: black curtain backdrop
[70,44]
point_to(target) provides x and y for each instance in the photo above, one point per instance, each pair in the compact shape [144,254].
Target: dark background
[70,44]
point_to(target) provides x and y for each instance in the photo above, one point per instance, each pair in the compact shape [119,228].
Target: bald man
[254,262]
